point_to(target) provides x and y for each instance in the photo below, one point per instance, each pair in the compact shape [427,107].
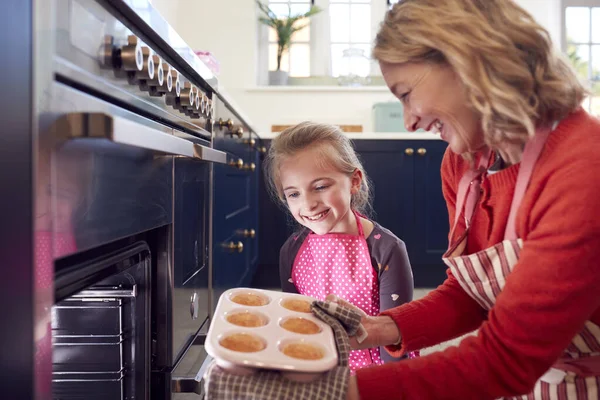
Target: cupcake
[246,319]
[300,325]
[242,342]
[249,299]
[303,351]
[297,305]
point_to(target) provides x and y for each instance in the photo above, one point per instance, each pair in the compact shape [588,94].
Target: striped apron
[576,375]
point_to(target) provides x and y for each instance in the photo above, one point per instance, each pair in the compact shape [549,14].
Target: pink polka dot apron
[48,246]
[340,263]
[576,375]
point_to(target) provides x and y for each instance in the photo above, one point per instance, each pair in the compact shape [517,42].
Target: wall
[228,29]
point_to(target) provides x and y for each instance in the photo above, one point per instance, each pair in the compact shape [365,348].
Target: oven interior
[100,334]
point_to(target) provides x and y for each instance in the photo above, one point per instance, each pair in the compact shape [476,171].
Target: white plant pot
[278,78]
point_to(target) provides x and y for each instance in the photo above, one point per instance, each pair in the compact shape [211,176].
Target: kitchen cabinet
[407,199]
[235,217]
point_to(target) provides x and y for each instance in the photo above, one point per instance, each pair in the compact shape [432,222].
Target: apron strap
[361,231]
[469,191]
[531,153]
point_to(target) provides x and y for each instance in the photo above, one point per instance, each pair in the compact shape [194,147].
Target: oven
[109,232]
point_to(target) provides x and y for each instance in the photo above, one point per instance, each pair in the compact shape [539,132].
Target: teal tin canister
[388,117]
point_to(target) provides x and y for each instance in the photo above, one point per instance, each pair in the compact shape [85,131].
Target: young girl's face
[318,195]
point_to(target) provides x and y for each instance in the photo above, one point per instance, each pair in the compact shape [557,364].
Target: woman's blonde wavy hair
[505,59]
[335,150]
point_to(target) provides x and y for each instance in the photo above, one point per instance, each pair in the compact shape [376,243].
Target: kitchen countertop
[376,136]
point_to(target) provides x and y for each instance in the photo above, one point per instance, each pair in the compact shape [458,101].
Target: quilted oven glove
[272,385]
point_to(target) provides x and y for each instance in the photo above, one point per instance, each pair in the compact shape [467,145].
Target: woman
[521,179]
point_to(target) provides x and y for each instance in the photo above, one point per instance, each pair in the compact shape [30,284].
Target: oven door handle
[123,131]
[103,292]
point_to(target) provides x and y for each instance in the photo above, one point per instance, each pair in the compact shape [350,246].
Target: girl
[313,170]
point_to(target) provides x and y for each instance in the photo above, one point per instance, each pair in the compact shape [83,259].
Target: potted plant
[284,27]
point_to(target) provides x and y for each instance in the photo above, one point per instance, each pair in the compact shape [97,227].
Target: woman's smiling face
[434,99]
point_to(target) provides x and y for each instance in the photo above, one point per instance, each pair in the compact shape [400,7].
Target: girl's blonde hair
[335,150]
[505,59]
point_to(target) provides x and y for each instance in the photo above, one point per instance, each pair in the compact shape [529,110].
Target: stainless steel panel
[93,191]
[183,287]
[187,383]
[123,131]
[86,35]
[155,22]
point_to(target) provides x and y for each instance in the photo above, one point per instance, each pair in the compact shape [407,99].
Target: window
[297,60]
[581,43]
[338,41]
[350,24]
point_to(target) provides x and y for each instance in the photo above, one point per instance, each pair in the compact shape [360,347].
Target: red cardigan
[550,294]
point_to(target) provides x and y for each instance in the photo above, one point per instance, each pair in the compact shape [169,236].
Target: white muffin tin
[273,335]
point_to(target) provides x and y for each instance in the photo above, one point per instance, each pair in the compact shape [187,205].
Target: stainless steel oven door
[103,172]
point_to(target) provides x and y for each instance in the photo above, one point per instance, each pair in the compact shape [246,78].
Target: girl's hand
[374,331]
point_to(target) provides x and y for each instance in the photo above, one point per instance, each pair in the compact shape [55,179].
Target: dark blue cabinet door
[275,226]
[232,213]
[408,199]
[391,171]
[431,225]
[253,157]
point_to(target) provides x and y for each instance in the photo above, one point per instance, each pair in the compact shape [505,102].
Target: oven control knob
[201,104]
[198,103]
[147,71]
[250,142]
[172,97]
[187,95]
[131,57]
[194,305]
[209,108]
[176,81]
[167,82]
[159,77]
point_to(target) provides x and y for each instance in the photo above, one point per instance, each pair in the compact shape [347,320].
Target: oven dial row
[142,67]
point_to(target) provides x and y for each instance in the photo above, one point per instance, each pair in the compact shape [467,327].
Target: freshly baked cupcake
[246,319]
[242,342]
[249,299]
[303,351]
[300,325]
[296,305]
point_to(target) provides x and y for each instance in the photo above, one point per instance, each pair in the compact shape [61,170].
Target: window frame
[320,50]
[564,43]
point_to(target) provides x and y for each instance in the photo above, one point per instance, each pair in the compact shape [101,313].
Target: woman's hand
[374,331]
[352,393]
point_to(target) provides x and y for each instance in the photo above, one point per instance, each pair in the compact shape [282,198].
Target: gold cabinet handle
[233,246]
[226,123]
[250,142]
[421,151]
[246,233]
[250,167]
[409,151]
[262,149]
[239,131]
[239,163]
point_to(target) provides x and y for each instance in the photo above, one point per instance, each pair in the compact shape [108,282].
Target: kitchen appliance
[108,228]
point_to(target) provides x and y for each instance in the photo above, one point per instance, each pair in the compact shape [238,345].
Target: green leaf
[284,27]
